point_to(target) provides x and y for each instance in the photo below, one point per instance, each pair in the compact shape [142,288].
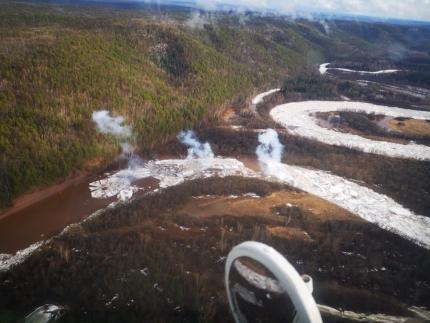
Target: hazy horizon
[418,10]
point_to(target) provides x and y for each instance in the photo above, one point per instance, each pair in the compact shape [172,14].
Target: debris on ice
[169,172]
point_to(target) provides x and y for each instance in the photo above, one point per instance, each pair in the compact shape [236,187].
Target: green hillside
[58,66]
[60,63]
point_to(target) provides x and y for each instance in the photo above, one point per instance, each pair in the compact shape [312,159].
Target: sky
[403,9]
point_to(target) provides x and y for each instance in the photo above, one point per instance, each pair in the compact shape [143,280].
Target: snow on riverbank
[260,97]
[169,172]
[360,200]
[323,68]
[8,261]
[298,121]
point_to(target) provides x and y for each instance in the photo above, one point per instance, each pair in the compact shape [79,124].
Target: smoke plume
[406,9]
[115,126]
[196,149]
[269,149]
[269,153]
[111,125]
[107,124]
[326,26]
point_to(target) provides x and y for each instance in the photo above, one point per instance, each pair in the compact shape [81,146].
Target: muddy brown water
[48,217]
[51,215]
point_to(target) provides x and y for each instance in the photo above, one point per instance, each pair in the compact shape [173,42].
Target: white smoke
[269,153]
[199,19]
[111,125]
[326,26]
[270,149]
[115,126]
[108,124]
[415,9]
[196,149]
[135,162]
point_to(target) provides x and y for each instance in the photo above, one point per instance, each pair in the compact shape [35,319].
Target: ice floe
[260,97]
[169,172]
[360,200]
[297,118]
[323,68]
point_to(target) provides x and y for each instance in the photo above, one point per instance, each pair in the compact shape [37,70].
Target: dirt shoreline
[29,199]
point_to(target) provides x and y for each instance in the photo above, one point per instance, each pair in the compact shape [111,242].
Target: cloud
[405,9]
[206,4]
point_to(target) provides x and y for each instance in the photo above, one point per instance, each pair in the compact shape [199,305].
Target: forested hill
[164,72]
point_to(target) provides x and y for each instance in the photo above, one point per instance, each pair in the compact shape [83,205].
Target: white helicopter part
[297,288]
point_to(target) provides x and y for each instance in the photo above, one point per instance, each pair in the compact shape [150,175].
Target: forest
[109,267]
[61,62]
[58,66]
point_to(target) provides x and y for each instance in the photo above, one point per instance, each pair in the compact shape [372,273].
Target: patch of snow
[236,127]
[114,298]
[295,117]
[260,97]
[251,195]
[207,196]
